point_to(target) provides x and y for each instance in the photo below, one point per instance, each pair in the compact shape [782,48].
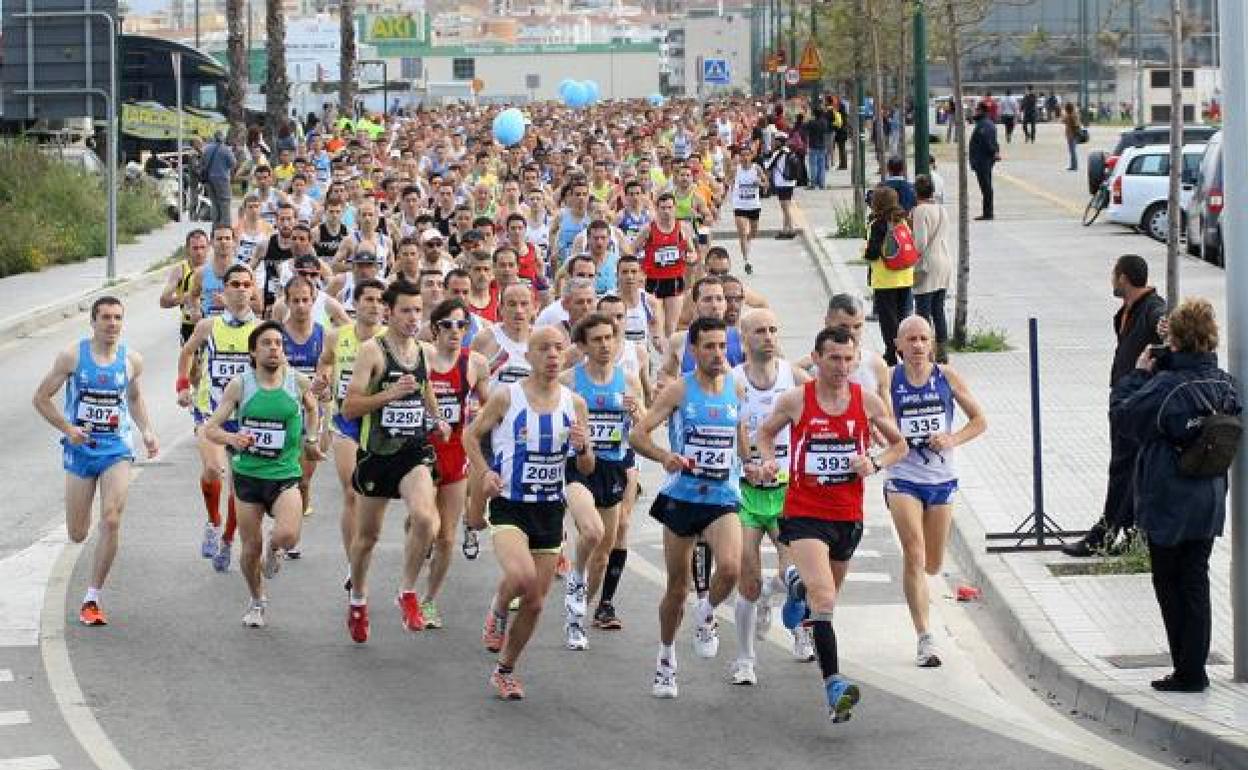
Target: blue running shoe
[794,610]
[221,559]
[212,539]
[843,695]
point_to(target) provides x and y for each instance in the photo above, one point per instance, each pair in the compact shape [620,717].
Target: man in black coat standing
[1135,326]
[983,155]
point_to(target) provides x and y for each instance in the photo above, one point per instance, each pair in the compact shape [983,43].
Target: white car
[1139,187]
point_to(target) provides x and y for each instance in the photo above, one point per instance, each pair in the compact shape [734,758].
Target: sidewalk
[1093,642]
[33,300]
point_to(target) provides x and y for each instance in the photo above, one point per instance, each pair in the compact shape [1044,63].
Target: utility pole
[1139,62]
[1176,151]
[197,23]
[855,115]
[922,131]
[792,33]
[1083,59]
[1233,19]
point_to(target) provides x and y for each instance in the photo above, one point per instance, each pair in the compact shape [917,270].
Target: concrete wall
[717,37]
[619,75]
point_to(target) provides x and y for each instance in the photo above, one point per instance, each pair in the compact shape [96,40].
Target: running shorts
[541,523]
[686,519]
[665,287]
[841,537]
[927,494]
[761,506]
[380,475]
[750,214]
[606,483]
[249,489]
[452,461]
[88,465]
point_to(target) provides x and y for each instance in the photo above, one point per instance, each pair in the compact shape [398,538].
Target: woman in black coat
[1161,406]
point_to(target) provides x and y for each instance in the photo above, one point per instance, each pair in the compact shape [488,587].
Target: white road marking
[25,577]
[10,718]
[6,675]
[41,762]
[868,577]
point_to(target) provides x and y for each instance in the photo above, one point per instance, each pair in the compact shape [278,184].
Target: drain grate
[1156,660]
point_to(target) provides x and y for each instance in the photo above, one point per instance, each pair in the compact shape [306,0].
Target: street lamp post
[1083,59]
[922,131]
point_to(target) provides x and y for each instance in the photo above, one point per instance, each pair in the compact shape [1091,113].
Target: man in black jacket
[1135,325]
[983,155]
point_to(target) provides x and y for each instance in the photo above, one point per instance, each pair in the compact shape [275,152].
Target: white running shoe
[664,681]
[706,639]
[743,672]
[254,617]
[803,644]
[576,599]
[927,656]
[574,637]
[272,562]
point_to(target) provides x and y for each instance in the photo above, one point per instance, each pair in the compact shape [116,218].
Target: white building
[524,72]
[706,35]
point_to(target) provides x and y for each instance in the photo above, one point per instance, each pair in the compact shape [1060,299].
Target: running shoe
[357,622]
[507,685]
[433,618]
[272,562]
[794,610]
[574,637]
[254,617]
[803,644]
[514,604]
[493,631]
[472,544]
[409,604]
[92,615]
[606,619]
[743,672]
[294,553]
[664,681]
[576,598]
[843,695]
[706,639]
[221,559]
[562,566]
[763,619]
[927,656]
[307,512]
[208,548]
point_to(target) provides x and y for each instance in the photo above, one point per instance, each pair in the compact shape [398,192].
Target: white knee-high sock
[747,619]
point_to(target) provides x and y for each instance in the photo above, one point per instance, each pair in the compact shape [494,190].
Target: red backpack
[899,251]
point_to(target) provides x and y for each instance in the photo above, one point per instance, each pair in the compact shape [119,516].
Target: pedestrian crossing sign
[715,72]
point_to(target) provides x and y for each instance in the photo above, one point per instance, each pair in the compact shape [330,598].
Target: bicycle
[1096,204]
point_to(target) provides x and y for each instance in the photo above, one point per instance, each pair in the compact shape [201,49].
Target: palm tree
[237,55]
[276,87]
[346,90]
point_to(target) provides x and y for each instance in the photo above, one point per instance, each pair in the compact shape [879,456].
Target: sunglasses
[310,273]
[451,323]
[240,284]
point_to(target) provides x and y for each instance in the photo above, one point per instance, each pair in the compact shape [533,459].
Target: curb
[31,321]
[1040,653]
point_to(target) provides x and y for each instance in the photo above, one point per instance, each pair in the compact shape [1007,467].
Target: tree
[276,87]
[236,54]
[346,91]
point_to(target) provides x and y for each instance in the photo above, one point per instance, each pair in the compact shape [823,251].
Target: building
[709,35]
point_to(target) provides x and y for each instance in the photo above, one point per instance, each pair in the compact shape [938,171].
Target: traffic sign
[715,72]
[810,66]
[792,76]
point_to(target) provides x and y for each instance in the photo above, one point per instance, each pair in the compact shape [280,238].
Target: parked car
[1139,189]
[1101,164]
[1204,212]
[79,156]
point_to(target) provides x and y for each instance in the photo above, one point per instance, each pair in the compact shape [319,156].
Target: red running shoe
[409,605]
[493,631]
[507,685]
[357,622]
[92,615]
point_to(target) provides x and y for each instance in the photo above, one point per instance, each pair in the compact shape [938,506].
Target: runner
[749,182]
[765,376]
[273,263]
[265,407]
[667,246]
[482,298]
[456,373]
[533,427]
[206,289]
[251,230]
[919,489]
[699,497]
[102,378]
[367,237]
[643,312]
[572,218]
[177,290]
[331,232]
[845,312]
[391,392]
[303,340]
[614,399]
[821,524]
[709,302]
[342,346]
[223,340]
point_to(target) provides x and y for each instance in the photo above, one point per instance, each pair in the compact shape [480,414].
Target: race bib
[99,414]
[666,256]
[831,461]
[710,450]
[226,366]
[344,379]
[920,424]
[403,418]
[449,409]
[747,193]
[606,431]
[541,475]
[268,436]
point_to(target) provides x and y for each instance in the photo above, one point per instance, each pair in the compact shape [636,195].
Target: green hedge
[53,213]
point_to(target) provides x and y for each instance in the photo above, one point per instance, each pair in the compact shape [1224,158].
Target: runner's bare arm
[169,295]
[62,369]
[580,437]
[639,437]
[800,375]
[214,429]
[787,411]
[138,404]
[670,369]
[976,420]
[882,420]
[368,363]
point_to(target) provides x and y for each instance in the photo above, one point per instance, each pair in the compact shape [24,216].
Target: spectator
[934,271]
[838,115]
[984,154]
[891,289]
[1009,114]
[896,179]
[1070,120]
[217,169]
[1031,109]
[1135,327]
[1162,405]
[783,169]
[817,130]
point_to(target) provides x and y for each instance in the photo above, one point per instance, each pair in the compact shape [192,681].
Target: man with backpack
[784,168]
[1135,326]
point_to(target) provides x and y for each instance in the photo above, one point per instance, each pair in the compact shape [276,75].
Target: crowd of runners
[493,336]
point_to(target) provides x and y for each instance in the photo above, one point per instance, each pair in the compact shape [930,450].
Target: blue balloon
[563,84]
[591,88]
[656,100]
[575,96]
[509,127]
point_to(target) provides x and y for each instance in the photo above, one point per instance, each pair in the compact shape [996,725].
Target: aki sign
[395,28]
